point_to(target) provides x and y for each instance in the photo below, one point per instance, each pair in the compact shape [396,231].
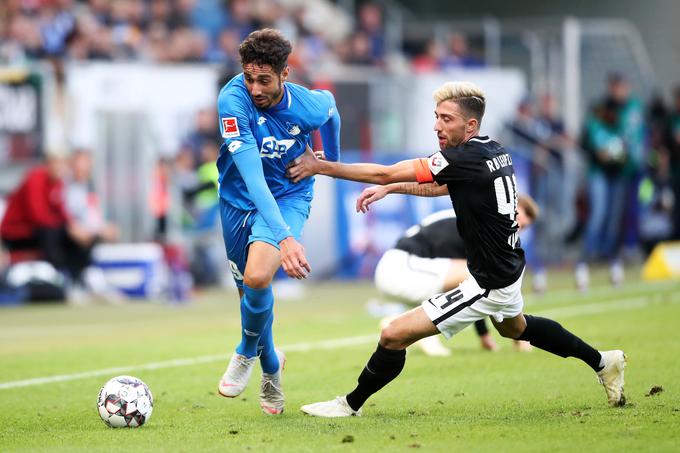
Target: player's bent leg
[384,365]
[256,309]
[406,329]
[511,327]
[550,336]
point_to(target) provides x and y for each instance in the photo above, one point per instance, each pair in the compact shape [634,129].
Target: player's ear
[471,125]
[284,74]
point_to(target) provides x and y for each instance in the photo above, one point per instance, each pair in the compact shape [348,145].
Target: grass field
[473,400]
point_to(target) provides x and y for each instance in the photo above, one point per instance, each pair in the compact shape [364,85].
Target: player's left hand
[370,195]
[304,166]
[293,259]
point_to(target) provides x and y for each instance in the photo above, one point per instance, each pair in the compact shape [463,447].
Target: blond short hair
[468,96]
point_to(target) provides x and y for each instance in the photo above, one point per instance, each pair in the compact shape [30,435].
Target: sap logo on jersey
[437,162]
[273,148]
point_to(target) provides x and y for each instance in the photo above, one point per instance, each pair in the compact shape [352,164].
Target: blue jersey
[279,134]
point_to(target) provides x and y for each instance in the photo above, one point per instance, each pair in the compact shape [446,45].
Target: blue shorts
[241,228]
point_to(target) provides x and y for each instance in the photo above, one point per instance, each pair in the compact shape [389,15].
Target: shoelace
[271,391]
[241,368]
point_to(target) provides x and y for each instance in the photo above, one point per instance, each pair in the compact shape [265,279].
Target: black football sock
[383,366]
[480,327]
[552,337]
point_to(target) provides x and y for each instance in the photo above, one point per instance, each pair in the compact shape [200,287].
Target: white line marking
[563,312]
[297,347]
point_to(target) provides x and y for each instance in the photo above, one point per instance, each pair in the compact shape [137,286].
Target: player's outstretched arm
[374,193]
[293,259]
[308,165]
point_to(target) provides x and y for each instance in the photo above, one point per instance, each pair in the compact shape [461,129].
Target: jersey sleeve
[234,124]
[445,167]
[328,120]
[238,137]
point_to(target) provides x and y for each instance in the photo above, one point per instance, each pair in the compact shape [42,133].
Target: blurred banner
[20,116]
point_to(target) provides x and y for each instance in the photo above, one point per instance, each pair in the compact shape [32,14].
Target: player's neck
[470,135]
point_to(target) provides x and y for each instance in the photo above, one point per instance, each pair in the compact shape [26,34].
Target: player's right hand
[304,166]
[370,195]
[293,259]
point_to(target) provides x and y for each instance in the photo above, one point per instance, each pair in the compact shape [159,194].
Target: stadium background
[134,82]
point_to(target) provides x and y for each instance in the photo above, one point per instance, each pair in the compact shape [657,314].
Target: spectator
[673,144]
[205,131]
[159,198]
[360,50]
[632,129]
[82,203]
[428,59]
[83,207]
[36,219]
[457,53]
[557,179]
[608,155]
[371,24]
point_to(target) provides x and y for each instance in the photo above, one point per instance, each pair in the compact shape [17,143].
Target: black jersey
[483,190]
[435,237]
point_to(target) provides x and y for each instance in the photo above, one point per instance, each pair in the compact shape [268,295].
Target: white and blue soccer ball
[125,402]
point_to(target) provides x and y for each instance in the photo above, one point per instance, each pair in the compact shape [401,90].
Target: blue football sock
[268,358]
[256,309]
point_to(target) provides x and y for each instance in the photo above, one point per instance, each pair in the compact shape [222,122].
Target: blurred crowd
[613,191]
[190,178]
[181,31]
[51,223]
[608,194]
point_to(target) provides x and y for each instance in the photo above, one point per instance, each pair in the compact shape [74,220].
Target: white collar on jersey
[484,139]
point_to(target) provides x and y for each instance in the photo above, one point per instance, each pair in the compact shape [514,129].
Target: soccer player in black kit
[480,180]
[430,258]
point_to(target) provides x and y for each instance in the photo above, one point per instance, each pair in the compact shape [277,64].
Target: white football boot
[611,376]
[331,409]
[582,277]
[616,273]
[236,378]
[272,399]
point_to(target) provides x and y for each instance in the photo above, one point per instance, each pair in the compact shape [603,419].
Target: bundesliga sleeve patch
[437,162]
[230,127]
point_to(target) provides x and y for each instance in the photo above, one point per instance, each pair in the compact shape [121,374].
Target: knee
[513,332]
[391,337]
[257,279]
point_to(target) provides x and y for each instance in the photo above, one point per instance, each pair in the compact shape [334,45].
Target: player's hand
[304,166]
[293,259]
[369,196]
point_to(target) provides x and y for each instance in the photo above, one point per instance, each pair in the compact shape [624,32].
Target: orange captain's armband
[423,173]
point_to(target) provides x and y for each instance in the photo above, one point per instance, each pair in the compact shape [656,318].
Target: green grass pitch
[473,400]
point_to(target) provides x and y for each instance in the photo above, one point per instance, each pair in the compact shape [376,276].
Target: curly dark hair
[266,46]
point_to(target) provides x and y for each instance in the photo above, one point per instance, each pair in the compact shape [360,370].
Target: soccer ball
[125,401]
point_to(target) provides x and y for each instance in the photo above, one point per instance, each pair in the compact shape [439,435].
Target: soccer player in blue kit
[266,124]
